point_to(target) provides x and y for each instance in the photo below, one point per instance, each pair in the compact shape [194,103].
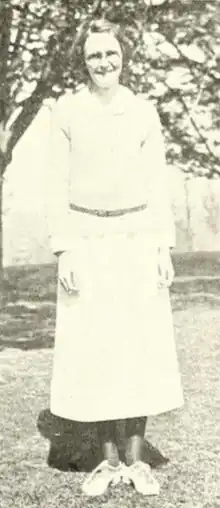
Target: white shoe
[140,475]
[101,477]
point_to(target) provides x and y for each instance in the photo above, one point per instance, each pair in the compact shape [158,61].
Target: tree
[173,59]
[31,63]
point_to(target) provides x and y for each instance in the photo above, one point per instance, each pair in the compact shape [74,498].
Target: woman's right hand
[66,275]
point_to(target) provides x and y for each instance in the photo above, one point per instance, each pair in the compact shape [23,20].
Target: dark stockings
[134,429]
[108,441]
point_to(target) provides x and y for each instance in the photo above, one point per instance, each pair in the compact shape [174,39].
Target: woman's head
[103,53]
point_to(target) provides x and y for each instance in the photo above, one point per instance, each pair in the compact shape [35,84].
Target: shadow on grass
[27,325]
[31,325]
[27,317]
[74,446]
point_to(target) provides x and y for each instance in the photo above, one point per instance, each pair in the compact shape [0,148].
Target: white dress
[115,354]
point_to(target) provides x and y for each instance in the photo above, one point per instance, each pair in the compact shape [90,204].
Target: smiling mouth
[105,73]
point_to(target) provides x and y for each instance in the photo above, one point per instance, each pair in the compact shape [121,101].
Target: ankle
[134,451]
[110,452]
[113,461]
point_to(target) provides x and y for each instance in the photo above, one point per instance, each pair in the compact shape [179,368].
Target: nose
[103,61]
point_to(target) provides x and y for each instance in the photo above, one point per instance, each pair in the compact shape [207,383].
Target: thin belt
[108,213]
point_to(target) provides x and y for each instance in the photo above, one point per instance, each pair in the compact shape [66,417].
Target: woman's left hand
[165,268]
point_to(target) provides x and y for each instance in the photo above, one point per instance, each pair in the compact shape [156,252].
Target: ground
[44,460]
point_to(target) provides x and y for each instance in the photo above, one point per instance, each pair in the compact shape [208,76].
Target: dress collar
[118,105]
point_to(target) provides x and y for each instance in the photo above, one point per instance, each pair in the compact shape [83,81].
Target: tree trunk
[4,283]
[3,291]
[1,228]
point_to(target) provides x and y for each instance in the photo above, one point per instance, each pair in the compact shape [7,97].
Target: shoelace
[139,468]
[103,467]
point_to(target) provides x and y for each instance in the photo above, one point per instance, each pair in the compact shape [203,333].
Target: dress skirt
[115,354]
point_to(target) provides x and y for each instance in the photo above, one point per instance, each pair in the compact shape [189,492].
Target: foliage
[174,60]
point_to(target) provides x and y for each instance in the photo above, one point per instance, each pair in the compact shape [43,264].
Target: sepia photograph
[110,253]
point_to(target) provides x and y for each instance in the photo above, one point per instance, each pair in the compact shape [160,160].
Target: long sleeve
[157,177]
[57,178]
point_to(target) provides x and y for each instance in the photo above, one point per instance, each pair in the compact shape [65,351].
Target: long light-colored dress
[115,354]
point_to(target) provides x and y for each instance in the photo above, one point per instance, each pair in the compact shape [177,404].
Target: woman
[111,228]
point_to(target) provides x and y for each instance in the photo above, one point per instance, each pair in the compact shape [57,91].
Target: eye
[94,56]
[112,53]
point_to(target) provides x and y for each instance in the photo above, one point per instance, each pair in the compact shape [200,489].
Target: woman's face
[103,59]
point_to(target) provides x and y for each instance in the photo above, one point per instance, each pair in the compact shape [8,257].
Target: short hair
[102,25]
[99,26]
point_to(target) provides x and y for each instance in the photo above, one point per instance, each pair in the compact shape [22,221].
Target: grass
[44,459]
[197,263]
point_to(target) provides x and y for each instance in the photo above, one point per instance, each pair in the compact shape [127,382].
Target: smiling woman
[111,226]
[103,58]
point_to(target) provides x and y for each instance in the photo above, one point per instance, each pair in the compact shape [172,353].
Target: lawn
[44,459]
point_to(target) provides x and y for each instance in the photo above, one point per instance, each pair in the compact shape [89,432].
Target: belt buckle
[101,213]
[106,213]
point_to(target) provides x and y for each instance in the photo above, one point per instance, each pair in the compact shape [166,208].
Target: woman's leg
[109,471]
[108,441]
[135,431]
[139,473]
